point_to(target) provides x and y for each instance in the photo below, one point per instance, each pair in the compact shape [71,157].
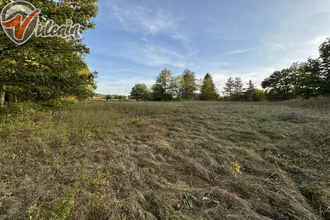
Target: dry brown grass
[143,160]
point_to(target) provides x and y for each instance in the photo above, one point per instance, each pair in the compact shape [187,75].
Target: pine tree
[229,89]
[238,85]
[238,89]
[208,90]
[249,91]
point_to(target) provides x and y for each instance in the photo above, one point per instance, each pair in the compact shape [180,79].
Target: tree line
[185,86]
[304,79]
[182,87]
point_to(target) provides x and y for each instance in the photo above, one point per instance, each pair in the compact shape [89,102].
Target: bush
[258,95]
[107,97]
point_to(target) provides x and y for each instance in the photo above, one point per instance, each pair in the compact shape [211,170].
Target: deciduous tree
[50,68]
[324,51]
[140,92]
[162,90]
[280,85]
[258,95]
[188,85]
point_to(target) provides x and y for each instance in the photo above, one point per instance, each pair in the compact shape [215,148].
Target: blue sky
[135,39]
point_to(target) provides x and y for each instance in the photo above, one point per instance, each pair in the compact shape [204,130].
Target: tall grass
[184,160]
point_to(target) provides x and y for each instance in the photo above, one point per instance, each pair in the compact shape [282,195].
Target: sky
[135,39]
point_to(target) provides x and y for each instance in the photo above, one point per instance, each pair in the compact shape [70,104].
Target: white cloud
[154,55]
[120,86]
[148,22]
[240,51]
[318,40]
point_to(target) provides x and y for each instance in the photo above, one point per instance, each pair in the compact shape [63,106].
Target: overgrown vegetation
[180,160]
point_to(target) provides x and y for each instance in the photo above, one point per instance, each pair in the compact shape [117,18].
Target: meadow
[166,160]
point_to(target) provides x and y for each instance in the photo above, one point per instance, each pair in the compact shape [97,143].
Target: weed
[34,212]
[236,168]
[62,208]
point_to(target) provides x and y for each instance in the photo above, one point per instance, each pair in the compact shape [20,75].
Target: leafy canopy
[50,68]
[140,92]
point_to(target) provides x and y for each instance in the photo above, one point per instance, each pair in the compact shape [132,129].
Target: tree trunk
[2,96]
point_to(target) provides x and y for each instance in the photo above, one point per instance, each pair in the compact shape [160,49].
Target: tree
[108,97]
[280,85]
[175,85]
[308,79]
[164,79]
[258,95]
[229,89]
[238,89]
[2,95]
[324,51]
[50,68]
[162,89]
[158,93]
[140,92]
[249,91]
[188,85]
[238,85]
[122,97]
[251,86]
[208,90]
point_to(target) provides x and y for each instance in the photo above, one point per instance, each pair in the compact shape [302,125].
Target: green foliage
[176,86]
[235,168]
[238,86]
[108,97]
[324,58]
[229,89]
[208,91]
[188,85]
[50,68]
[122,97]
[159,93]
[162,90]
[279,85]
[307,79]
[62,208]
[164,79]
[140,92]
[257,95]
[249,91]
[237,90]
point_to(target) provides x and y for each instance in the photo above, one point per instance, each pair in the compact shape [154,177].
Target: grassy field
[179,160]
